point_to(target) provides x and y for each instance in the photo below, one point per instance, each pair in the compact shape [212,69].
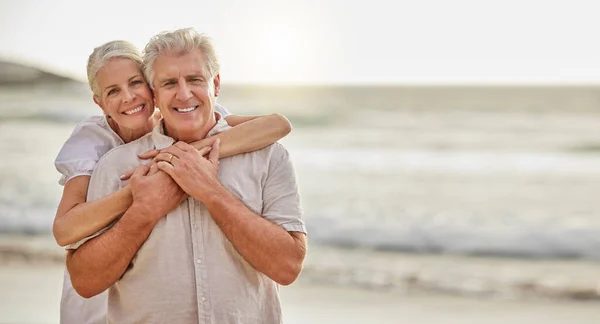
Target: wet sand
[30,293]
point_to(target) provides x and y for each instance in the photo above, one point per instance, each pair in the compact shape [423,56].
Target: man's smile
[186,109]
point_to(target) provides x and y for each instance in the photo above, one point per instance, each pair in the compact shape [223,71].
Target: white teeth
[133,111]
[185,109]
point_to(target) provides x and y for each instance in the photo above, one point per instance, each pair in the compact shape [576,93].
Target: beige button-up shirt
[187,271]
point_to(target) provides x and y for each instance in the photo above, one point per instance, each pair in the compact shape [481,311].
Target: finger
[164,156]
[203,151]
[167,168]
[127,175]
[214,152]
[211,140]
[184,146]
[153,169]
[140,171]
[173,150]
[148,155]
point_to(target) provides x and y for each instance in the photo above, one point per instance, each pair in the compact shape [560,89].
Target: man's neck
[192,136]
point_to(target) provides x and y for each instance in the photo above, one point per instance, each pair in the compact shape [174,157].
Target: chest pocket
[246,184]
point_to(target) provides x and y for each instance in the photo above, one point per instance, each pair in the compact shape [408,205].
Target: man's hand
[155,191]
[196,175]
[204,146]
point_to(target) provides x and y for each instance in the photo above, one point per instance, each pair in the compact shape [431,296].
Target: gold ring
[170,158]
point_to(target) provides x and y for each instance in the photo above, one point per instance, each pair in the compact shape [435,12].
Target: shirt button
[203,299]
[199,261]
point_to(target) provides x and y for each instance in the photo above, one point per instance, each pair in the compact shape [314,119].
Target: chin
[139,122]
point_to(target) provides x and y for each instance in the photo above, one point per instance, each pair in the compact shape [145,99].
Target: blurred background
[448,153]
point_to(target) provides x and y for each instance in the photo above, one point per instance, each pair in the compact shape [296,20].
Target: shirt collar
[162,141]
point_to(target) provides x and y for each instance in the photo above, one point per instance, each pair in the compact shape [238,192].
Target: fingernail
[122,176]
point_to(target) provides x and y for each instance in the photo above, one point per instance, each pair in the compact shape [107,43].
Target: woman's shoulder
[90,140]
[93,123]
[95,130]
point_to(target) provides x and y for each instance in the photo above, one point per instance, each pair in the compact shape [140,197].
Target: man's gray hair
[106,52]
[180,42]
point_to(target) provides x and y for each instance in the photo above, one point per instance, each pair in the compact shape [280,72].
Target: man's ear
[217,81]
[99,103]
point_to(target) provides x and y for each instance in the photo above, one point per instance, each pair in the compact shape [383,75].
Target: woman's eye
[136,82]
[112,91]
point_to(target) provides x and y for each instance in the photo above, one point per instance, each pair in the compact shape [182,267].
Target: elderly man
[202,242]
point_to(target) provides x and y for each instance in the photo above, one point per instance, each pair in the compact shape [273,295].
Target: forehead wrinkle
[173,68]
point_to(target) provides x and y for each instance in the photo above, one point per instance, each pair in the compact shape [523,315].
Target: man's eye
[136,82]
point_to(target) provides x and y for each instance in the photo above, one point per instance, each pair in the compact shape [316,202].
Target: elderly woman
[115,77]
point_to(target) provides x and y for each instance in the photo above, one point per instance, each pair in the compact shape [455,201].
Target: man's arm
[268,247]
[101,261]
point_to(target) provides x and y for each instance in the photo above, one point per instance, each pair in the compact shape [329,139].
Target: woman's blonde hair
[104,53]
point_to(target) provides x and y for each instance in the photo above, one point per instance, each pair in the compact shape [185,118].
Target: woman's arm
[77,219]
[249,133]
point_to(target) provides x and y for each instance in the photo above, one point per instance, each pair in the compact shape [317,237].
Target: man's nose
[183,91]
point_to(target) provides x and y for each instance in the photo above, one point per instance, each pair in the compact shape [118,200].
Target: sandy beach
[478,207]
[30,293]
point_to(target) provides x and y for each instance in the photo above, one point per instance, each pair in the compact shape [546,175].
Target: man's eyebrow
[195,75]
[166,79]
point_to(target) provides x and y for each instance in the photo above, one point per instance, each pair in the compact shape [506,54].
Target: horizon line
[481,83]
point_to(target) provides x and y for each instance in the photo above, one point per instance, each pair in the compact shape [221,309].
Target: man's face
[185,95]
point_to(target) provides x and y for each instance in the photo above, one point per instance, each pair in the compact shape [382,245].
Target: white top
[91,139]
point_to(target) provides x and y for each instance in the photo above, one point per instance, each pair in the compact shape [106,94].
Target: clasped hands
[194,172]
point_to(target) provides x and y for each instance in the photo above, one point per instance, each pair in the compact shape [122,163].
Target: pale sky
[330,41]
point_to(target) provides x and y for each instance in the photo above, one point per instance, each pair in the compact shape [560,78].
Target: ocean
[437,171]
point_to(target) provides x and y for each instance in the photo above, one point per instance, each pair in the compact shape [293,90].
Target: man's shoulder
[273,151]
[262,160]
[274,148]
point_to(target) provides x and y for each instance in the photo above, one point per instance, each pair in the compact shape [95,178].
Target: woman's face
[124,94]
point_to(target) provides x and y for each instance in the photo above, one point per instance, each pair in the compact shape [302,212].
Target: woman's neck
[128,134]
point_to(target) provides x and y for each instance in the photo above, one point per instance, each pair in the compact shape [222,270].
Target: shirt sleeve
[82,150]
[222,110]
[281,200]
